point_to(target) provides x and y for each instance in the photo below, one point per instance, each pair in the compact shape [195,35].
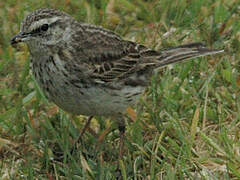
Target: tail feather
[183,52]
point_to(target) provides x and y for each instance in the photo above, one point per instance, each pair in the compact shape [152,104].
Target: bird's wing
[109,56]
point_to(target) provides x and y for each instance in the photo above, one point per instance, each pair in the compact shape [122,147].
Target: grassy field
[186,126]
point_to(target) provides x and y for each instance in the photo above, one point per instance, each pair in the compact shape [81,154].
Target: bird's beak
[20,37]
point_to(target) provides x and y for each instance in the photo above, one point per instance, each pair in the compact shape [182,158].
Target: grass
[187,124]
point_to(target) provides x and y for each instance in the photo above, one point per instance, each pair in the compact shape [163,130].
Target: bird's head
[44,27]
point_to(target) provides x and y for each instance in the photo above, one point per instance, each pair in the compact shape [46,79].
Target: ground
[186,125]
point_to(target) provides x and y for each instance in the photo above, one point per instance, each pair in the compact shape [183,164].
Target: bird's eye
[44,27]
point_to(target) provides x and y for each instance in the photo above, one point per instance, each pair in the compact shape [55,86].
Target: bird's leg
[60,156]
[82,132]
[84,129]
[121,128]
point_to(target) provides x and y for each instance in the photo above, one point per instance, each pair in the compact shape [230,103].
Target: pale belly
[93,100]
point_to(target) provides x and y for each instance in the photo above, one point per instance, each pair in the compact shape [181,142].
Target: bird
[89,70]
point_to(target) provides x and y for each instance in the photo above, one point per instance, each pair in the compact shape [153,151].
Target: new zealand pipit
[88,70]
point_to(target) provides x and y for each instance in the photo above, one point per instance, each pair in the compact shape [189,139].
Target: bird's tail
[183,52]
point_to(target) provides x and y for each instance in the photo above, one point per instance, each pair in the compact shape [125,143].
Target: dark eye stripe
[38,30]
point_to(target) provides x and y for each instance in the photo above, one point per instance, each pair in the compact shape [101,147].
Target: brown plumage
[86,69]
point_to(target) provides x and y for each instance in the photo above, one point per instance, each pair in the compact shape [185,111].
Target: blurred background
[186,126]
